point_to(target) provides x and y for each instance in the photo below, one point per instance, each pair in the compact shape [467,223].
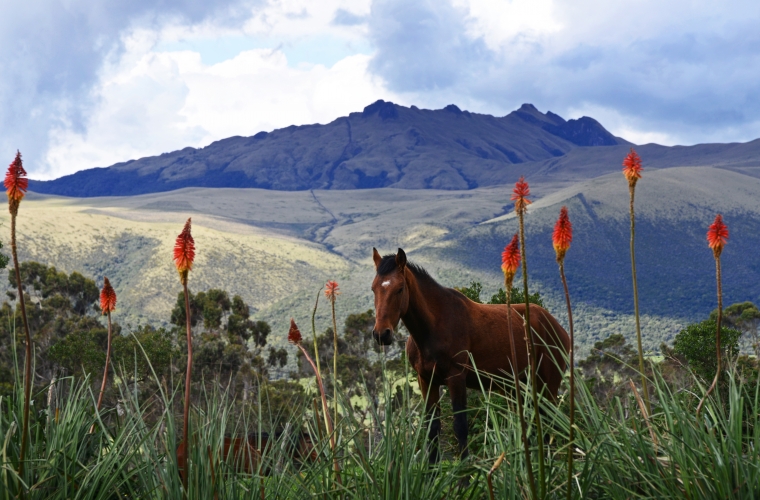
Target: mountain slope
[674,207]
[278,248]
[385,145]
[586,163]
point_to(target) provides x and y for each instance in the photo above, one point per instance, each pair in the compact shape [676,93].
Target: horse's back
[492,339]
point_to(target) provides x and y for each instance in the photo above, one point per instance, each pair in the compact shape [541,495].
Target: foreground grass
[619,453]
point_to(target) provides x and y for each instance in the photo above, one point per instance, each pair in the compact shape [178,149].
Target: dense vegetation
[381,434]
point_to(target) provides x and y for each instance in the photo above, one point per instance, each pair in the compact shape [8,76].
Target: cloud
[682,71]
[423,46]
[51,54]
[346,18]
[154,102]
[88,84]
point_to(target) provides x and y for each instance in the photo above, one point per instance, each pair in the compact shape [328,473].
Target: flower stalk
[107,304]
[318,369]
[520,197]
[510,262]
[184,254]
[717,236]
[295,338]
[16,185]
[332,292]
[632,172]
[561,239]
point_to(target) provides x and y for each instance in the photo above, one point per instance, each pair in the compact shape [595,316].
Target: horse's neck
[419,318]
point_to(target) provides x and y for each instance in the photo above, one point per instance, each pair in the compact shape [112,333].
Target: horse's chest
[429,363]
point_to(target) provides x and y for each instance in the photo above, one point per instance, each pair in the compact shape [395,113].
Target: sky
[87,83]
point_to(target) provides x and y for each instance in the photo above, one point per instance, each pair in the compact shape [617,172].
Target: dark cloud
[422,45]
[695,81]
[51,52]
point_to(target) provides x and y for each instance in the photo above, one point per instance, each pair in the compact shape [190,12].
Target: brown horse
[449,332]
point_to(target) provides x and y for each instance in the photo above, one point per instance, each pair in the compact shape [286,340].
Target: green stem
[108,359]
[314,333]
[518,393]
[335,362]
[644,384]
[325,410]
[532,357]
[28,351]
[188,372]
[317,368]
[572,384]
[718,356]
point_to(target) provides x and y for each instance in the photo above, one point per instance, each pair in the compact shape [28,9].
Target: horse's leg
[458,390]
[432,393]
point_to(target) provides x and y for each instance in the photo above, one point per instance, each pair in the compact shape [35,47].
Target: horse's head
[391,294]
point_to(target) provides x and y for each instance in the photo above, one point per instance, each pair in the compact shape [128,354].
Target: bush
[473,292]
[696,343]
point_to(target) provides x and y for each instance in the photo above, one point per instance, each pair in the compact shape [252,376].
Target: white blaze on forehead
[386,283]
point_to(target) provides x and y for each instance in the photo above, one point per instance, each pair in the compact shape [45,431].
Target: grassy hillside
[674,208]
[277,248]
[133,248]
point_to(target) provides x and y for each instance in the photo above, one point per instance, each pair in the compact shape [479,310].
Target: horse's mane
[388,265]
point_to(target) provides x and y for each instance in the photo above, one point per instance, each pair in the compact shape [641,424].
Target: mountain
[318,211]
[675,268]
[386,145]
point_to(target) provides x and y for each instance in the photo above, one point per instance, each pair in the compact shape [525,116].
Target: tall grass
[619,453]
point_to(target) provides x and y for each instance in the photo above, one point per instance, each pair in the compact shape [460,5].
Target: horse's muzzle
[383,338]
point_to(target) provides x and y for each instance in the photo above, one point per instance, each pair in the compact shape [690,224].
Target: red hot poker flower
[16,182]
[331,290]
[520,196]
[184,252]
[563,234]
[294,334]
[510,258]
[107,297]
[632,168]
[717,235]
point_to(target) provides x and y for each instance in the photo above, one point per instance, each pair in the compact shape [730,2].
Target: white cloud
[675,72]
[153,102]
[143,80]
[500,22]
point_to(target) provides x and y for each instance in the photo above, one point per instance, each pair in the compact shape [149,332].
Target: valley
[276,248]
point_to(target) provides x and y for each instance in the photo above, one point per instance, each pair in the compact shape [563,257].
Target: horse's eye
[400,290]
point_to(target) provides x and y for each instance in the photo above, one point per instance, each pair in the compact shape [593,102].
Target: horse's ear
[401,259]
[376,257]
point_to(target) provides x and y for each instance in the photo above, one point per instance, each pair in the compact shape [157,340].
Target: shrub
[473,292]
[696,343]
[745,317]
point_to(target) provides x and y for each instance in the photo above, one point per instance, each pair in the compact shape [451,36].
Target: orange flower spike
[16,182]
[520,196]
[331,290]
[294,334]
[563,234]
[632,168]
[184,252]
[107,297]
[510,258]
[717,235]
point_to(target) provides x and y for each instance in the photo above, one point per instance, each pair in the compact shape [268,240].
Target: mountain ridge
[385,145]
[388,145]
